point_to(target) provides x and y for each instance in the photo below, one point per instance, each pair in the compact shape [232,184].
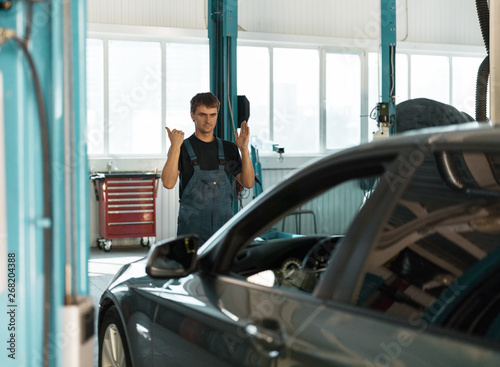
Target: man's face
[204,119]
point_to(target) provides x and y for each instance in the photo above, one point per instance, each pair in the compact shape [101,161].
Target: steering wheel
[317,257]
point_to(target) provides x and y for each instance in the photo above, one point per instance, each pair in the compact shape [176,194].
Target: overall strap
[222,159]
[192,156]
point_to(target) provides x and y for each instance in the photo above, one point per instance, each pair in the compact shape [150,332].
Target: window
[296,100]
[186,74]
[130,102]
[293,252]
[95,97]
[343,100]
[134,98]
[401,77]
[253,82]
[464,71]
[430,77]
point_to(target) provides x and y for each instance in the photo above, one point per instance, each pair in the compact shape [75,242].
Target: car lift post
[387,107]
[42,63]
[222,34]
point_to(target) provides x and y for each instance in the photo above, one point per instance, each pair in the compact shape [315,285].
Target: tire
[113,348]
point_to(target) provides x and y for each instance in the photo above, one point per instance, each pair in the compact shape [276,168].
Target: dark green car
[386,254]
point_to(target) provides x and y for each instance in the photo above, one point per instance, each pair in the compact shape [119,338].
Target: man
[204,162]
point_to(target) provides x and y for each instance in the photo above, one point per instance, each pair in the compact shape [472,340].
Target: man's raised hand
[176,136]
[243,137]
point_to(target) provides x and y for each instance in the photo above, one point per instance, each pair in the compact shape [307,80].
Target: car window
[438,258]
[293,251]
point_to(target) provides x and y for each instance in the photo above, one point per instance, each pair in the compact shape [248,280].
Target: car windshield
[328,214]
[294,250]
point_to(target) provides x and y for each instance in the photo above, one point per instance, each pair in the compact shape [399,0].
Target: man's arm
[247,176]
[170,171]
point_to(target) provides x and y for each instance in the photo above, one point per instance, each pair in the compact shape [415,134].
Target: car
[384,254]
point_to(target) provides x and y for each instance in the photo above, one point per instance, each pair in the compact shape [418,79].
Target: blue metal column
[37,334]
[79,162]
[387,107]
[223,33]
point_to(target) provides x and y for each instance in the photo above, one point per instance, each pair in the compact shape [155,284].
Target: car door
[410,281]
[300,330]
[193,327]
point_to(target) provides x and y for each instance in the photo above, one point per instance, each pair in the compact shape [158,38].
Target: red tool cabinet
[127,206]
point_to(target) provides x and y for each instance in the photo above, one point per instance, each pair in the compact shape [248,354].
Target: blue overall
[206,202]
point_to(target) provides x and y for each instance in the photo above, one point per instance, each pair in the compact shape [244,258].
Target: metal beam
[223,33]
[387,112]
[33,67]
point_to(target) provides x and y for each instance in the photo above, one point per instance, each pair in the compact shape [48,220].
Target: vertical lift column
[42,60]
[223,34]
[386,109]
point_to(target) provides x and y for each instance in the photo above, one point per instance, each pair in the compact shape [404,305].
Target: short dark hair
[204,99]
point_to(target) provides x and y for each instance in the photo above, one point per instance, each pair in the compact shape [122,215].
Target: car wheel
[113,350]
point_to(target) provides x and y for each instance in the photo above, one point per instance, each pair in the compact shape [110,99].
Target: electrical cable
[46,183]
[392,73]
[47,202]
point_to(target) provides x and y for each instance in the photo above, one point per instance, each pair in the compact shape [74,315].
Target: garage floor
[102,267]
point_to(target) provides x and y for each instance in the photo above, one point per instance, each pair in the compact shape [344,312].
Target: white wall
[422,21]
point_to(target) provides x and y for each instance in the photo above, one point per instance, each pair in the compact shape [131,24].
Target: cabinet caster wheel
[147,241]
[106,246]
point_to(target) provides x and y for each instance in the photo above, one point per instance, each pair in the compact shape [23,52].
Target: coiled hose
[483,73]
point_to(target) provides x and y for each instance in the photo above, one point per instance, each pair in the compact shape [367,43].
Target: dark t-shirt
[207,154]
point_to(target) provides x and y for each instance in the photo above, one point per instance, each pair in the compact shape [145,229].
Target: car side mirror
[173,258]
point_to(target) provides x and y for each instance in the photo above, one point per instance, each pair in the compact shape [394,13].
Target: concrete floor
[102,267]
